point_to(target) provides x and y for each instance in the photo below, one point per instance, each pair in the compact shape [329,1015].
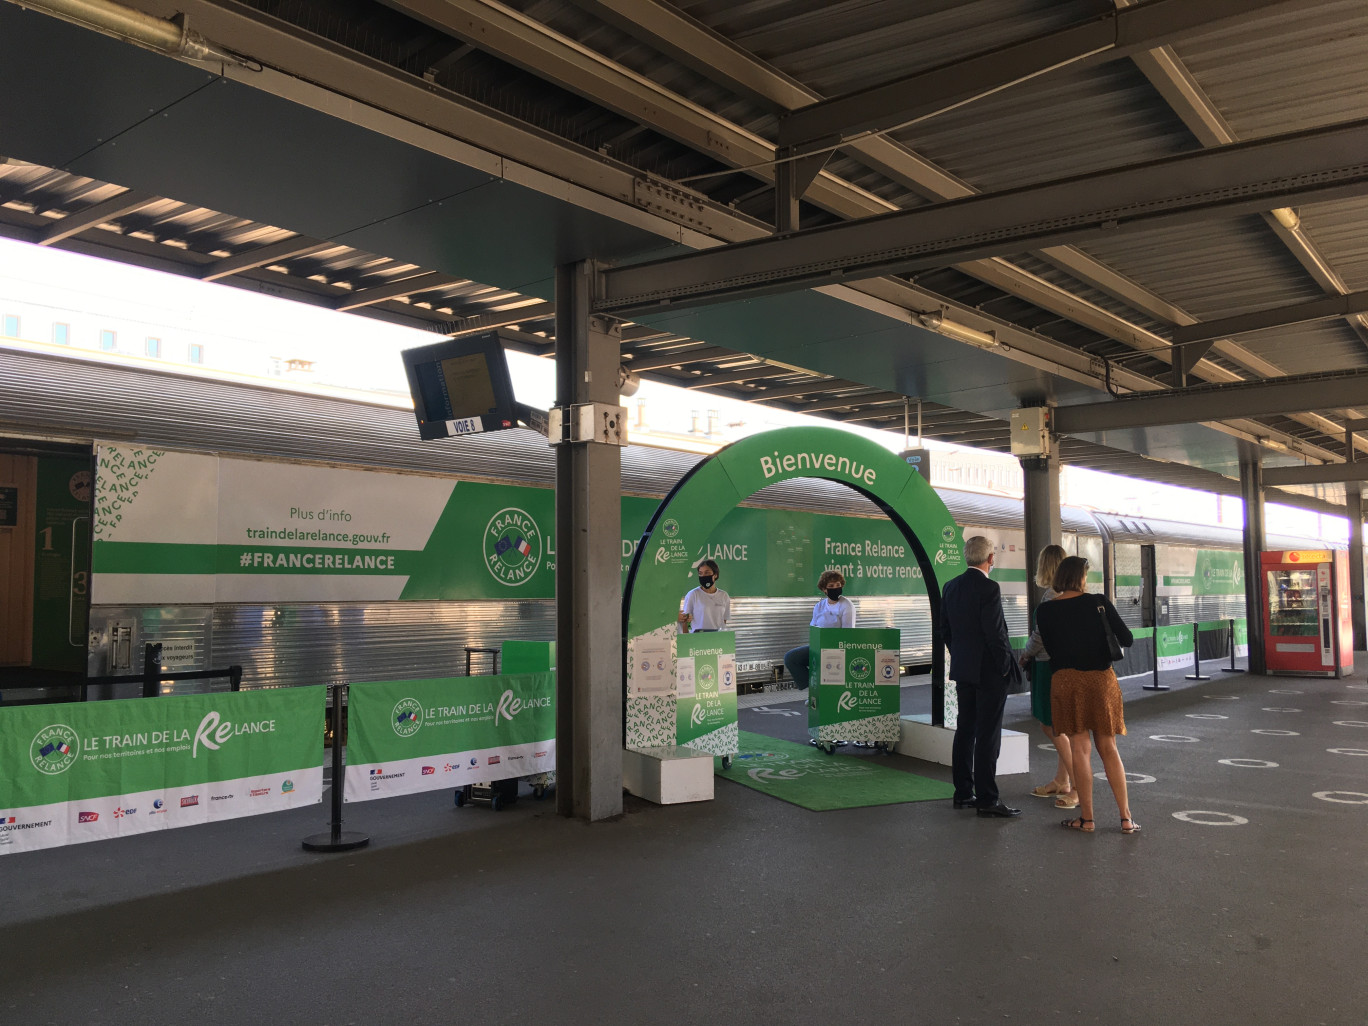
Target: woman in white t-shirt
[833,611]
[706,608]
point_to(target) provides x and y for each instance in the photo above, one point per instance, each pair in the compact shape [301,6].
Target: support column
[1251,491]
[1353,509]
[1040,480]
[588,563]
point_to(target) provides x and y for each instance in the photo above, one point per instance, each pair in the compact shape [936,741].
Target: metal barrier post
[1231,668]
[1196,673]
[336,839]
[1155,685]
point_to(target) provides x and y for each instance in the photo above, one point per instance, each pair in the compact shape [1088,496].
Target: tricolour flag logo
[522,546]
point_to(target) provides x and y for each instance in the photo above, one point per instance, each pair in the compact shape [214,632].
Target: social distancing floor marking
[1206,716]
[1347,701]
[1249,763]
[1351,723]
[1223,698]
[1221,818]
[1279,708]
[1177,738]
[1278,733]
[1354,797]
[1285,691]
[1131,778]
[1348,751]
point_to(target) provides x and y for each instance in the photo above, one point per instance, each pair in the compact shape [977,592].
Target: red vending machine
[1307,621]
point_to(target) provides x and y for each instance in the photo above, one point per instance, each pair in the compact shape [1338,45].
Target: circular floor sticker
[1348,751]
[1278,733]
[1205,817]
[1181,738]
[1357,687]
[1131,778]
[1206,716]
[1249,763]
[1284,691]
[1349,797]
[1351,723]
[1047,747]
[1223,698]
[1280,708]
[1348,701]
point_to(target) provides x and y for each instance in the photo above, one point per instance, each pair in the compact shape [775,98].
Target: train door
[45,505]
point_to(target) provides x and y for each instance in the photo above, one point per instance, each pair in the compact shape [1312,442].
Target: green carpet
[804,776]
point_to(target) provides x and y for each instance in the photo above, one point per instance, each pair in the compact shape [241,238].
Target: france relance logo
[512,546]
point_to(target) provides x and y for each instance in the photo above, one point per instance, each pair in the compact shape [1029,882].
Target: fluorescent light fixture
[935,320]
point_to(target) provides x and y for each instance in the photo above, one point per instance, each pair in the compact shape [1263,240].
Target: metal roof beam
[1325,473]
[1212,403]
[1317,165]
[263,256]
[1114,35]
[425,282]
[502,318]
[682,358]
[73,224]
[756,373]
[1296,313]
[817,386]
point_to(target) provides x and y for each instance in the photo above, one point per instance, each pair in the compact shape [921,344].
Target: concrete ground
[1241,901]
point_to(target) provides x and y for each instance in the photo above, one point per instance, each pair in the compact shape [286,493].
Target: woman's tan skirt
[1086,700]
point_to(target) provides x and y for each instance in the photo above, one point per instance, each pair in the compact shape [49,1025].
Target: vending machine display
[1308,628]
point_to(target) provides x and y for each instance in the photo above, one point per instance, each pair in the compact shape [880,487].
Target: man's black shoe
[999,810]
[965,803]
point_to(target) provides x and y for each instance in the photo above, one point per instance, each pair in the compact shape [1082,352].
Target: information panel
[705,710]
[86,771]
[854,695]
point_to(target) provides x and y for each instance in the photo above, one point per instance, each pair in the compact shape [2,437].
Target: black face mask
[833,593]
[705,581]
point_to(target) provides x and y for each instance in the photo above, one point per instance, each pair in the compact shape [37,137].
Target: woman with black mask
[707,607]
[833,611]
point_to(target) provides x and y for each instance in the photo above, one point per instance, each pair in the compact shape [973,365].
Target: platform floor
[749,910]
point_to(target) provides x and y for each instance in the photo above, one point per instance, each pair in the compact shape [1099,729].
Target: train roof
[82,399]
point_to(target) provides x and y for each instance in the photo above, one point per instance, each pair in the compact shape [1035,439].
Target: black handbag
[1113,646]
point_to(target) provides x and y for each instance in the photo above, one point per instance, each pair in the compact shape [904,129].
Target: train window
[11,326]
[196,353]
[153,346]
[61,334]
[108,339]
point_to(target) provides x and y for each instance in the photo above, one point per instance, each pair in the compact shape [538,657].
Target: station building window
[61,334]
[196,354]
[11,326]
[153,346]
[108,339]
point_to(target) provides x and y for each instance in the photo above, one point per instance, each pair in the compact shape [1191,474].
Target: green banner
[854,694]
[90,770]
[1173,646]
[416,735]
[705,670]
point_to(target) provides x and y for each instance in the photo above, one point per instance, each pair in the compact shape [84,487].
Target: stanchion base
[1154,687]
[1196,676]
[1230,669]
[343,840]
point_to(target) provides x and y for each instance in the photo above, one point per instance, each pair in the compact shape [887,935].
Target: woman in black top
[1084,693]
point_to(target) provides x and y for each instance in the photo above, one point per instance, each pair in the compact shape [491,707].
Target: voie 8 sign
[462,387]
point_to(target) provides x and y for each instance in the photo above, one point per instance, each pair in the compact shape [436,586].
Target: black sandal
[1076,824]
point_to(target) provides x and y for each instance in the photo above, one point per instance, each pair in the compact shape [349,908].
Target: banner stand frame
[336,839]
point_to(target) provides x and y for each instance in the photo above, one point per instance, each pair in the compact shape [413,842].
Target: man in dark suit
[982,666]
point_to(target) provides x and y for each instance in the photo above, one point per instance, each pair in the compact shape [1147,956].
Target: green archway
[691,513]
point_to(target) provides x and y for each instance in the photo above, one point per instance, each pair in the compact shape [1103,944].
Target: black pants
[978,738]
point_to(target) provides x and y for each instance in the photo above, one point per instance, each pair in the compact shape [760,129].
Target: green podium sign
[854,694]
[705,709]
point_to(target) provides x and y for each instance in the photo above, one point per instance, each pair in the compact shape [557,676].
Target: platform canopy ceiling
[826,206]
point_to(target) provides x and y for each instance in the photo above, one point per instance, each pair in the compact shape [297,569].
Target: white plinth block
[920,740]
[669,774]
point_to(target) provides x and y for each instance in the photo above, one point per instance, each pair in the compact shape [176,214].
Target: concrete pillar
[1251,491]
[1040,479]
[589,652]
[1353,509]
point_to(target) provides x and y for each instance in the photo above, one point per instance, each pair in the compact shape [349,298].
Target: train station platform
[1241,901]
